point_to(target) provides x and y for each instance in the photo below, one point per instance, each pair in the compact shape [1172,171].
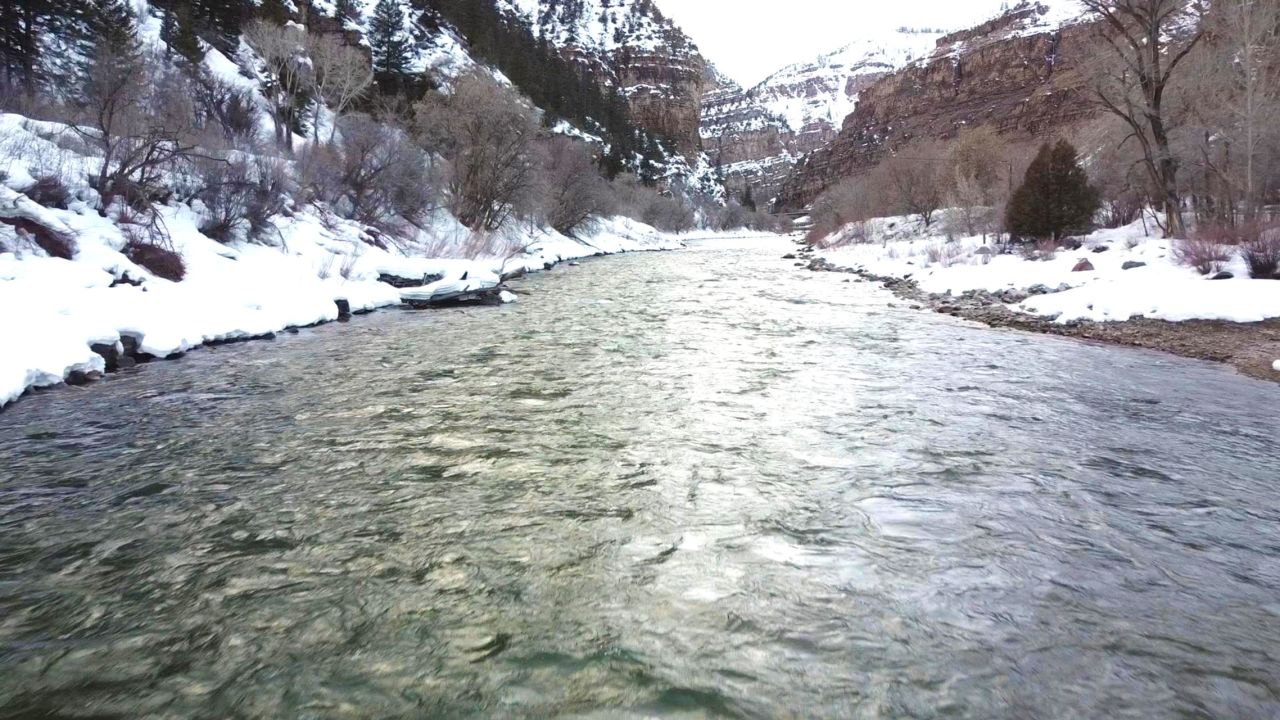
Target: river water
[692,484]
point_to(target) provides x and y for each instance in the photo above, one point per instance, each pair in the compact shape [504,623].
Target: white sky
[750,39]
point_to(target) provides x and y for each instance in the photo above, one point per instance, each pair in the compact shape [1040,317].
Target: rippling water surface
[695,484]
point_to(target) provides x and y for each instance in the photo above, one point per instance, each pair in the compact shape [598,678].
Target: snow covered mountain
[756,136]
[814,98]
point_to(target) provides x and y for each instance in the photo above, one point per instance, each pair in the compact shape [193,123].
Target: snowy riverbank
[1124,285]
[62,316]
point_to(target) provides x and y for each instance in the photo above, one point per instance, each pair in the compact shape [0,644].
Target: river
[691,484]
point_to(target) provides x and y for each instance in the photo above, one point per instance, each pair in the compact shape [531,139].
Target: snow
[1162,289]
[1276,366]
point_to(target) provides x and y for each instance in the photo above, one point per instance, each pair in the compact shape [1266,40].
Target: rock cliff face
[1018,73]
[757,135]
[637,50]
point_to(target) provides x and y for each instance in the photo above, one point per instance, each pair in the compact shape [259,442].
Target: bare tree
[139,121]
[575,191]
[1243,82]
[1148,40]
[978,163]
[917,180]
[342,74]
[490,135]
[287,74]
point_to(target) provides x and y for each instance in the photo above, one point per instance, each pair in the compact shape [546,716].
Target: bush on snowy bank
[159,261]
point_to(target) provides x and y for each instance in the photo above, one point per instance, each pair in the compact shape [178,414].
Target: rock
[506,297]
[398,282]
[1132,265]
[1224,275]
[575,264]
[789,256]
[344,310]
[984,250]
[1038,290]
[83,377]
[1063,287]
[1100,249]
[1276,366]
[1083,266]
[110,353]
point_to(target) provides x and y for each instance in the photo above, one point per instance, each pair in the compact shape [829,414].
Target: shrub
[54,243]
[1205,255]
[50,191]
[160,261]
[1263,255]
[944,254]
[575,193]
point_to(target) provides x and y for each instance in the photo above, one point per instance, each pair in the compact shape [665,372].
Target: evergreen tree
[348,11]
[111,29]
[1055,198]
[219,21]
[274,11]
[21,24]
[178,30]
[389,46]
[748,199]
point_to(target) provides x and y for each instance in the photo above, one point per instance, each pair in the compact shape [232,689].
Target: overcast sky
[749,39]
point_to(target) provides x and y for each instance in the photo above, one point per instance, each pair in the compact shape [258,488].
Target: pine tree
[748,200]
[111,29]
[389,45]
[273,11]
[178,30]
[1055,198]
[347,11]
[20,29]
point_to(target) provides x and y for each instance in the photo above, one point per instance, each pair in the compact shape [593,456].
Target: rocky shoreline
[1251,348]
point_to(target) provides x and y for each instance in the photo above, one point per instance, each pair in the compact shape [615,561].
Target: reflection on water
[695,484]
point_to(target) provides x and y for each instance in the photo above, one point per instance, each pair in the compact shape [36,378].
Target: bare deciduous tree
[575,191]
[287,74]
[490,135]
[139,121]
[1148,40]
[917,179]
[342,74]
[1242,87]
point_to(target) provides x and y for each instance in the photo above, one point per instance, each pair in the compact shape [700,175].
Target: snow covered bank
[56,310]
[1116,275]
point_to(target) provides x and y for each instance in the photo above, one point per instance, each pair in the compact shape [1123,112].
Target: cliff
[1018,73]
[637,50]
[757,135]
